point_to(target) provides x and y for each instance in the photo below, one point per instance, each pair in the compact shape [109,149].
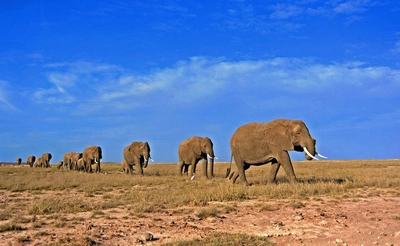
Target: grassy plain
[162,189]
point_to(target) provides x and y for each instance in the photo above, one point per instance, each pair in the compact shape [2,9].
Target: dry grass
[161,188]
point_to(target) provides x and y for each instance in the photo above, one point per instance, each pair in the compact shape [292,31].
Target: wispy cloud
[187,81]
[352,6]
[4,101]
[283,11]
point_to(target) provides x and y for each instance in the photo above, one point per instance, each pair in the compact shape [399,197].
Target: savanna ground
[334,203]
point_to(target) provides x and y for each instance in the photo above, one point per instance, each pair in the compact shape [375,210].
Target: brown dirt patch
[363,220]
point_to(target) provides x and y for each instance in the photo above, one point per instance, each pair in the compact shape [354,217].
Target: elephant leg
[204,163]
[186,169]
[98,170]
[241,167]
[139,166]
[284,160]
[192,168]
[182,166]
[210,169]
[233,177]
[274,171]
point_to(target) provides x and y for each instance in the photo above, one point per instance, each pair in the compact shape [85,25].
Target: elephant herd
[92,155]
[251,144]
[42,161]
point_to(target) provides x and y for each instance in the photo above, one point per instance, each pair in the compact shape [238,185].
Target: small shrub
[10,227]
[296,204]
[207,212]
[224,239]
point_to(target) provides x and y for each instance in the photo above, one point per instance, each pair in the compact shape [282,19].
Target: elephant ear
[195,145]
[279,134]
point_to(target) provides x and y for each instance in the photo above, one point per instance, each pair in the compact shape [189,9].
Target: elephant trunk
[210,168]
[146,162]
[310,150]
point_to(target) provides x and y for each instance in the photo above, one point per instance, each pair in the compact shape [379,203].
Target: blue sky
[79,73]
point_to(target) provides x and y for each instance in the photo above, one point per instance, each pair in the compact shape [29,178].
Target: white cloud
[285,11]
[4,101]
[188,81]
[352,6]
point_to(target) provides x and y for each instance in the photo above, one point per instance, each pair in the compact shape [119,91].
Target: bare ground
[361,220]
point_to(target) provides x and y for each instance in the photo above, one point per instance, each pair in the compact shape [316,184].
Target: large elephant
[92,155]
[136,154]
[31,160]
[262,143]
[46,157]
[19,161]
[191,151]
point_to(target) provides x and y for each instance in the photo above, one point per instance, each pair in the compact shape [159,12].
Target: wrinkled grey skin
[31,160]
[191,151]
[263,143]
[92,155]
[136,154]
[19,161]
[46,157]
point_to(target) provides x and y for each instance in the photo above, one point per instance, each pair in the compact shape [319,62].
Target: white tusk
[192,177]
[322,156]
[211,157]
[145,159]
[308,153]
[216,157]
[151,159]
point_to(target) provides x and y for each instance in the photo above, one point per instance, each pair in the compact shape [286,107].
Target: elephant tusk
[321,156]
[151,159]
[212,157]
[308,153]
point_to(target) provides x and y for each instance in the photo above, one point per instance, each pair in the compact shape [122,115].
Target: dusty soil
[364,220]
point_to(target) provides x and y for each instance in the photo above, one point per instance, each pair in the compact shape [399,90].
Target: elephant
[81,165]
[191,151]
[19,161]
[92,155]
[39,162]
[269,142]
[125,167]
[74,159]
[60,164]
[31,160]
[136,154]
[68,160]
[46,157]
[71,160]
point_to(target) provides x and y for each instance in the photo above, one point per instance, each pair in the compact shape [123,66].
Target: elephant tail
[228,170]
